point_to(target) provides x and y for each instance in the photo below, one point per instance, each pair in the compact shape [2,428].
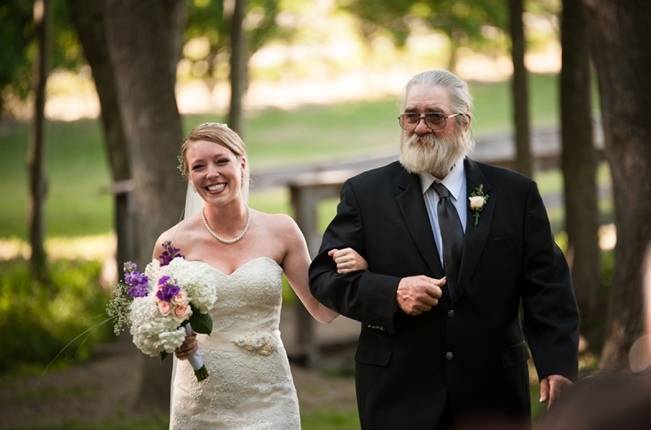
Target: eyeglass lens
[433,120]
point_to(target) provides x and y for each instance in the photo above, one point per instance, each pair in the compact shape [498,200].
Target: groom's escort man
[462,269]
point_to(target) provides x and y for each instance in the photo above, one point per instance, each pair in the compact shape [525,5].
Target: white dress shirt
[455,182]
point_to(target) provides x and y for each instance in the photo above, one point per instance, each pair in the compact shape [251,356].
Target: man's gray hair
[457,87]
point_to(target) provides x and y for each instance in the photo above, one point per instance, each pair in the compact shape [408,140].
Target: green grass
[153,423]
[321,419]
[76,165]
[328,419]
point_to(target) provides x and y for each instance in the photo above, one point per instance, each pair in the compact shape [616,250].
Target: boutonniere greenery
[478,199]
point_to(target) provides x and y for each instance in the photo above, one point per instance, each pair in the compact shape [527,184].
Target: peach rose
[180,299]
[181,312]
[164,307]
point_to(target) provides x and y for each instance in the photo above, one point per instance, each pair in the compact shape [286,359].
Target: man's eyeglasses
[433,120]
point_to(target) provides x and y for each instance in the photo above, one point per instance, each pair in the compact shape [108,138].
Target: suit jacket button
[451,313]
[449,355]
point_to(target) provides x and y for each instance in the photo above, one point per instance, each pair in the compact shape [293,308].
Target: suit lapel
[476,235]
[412,205]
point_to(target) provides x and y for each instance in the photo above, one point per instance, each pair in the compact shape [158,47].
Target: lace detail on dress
[262,344]
[250,384]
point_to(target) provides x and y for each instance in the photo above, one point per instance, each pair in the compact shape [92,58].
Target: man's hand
[418,294]
[188,346]
[552,388]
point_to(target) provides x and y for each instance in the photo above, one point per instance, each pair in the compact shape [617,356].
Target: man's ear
[467,121]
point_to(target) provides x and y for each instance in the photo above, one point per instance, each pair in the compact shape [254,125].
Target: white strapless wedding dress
[250,385]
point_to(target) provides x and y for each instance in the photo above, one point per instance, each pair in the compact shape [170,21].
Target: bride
[243,252]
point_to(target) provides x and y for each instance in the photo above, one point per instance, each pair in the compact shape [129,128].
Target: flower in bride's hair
[181,165]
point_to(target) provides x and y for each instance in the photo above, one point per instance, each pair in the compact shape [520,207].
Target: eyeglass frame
[423,116]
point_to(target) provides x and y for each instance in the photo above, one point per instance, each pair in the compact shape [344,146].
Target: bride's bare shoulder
[180,235]
[280,225]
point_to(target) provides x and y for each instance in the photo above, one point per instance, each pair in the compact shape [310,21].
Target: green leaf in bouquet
[163,355]
[201,323]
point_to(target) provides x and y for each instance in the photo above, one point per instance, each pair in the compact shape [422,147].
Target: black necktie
[452,235]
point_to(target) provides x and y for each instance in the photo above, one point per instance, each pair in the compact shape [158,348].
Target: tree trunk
[579,165]
[89,19]
[36,154]
[143,41]
[523,161]
[238,63]
[455,43]
[622,61]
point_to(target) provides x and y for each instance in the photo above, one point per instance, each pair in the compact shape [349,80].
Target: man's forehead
[428,96]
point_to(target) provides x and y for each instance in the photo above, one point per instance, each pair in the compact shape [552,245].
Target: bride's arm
[295,265]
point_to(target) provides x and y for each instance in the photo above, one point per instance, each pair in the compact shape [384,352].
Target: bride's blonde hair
[221,135]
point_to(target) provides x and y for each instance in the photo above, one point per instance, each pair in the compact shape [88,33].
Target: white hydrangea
[153,272]
[202,293]
[151,331]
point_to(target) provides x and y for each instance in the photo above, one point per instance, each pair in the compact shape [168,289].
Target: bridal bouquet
[159,310]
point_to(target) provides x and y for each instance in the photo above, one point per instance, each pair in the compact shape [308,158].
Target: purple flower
[166,290]
[137,281]
[169,254]
[138,291]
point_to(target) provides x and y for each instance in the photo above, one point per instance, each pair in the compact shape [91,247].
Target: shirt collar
[453,181]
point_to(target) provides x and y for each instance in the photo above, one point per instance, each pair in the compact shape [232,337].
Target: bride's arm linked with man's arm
[297,261]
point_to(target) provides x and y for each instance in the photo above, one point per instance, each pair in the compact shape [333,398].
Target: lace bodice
[250,385]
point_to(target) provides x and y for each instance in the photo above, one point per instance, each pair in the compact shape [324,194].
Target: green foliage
[201,323]
[393,16]
[464,22]
[66,52]
[208,19]
[16,33]
[38,320]
[18,45]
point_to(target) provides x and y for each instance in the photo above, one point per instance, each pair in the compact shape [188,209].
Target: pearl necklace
[220,239]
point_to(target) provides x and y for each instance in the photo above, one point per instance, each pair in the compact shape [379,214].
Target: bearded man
[462,268]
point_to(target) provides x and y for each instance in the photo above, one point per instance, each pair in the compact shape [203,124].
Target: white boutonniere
[478,199]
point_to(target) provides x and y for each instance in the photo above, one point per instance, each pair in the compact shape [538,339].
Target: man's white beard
[426,153]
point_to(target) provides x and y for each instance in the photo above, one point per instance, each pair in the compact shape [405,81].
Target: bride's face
[214,171]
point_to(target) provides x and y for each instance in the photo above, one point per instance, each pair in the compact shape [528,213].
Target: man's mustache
[422,140]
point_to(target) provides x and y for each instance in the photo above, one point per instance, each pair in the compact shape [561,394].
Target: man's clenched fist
[418,294]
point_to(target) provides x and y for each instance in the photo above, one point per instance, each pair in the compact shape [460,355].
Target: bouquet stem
[196,360]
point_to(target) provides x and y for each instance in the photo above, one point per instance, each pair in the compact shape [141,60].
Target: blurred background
[95,98]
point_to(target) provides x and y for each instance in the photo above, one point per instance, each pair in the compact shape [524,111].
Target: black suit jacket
[465,357]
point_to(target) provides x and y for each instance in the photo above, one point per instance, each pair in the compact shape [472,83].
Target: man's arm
[364,295]
[551,318]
